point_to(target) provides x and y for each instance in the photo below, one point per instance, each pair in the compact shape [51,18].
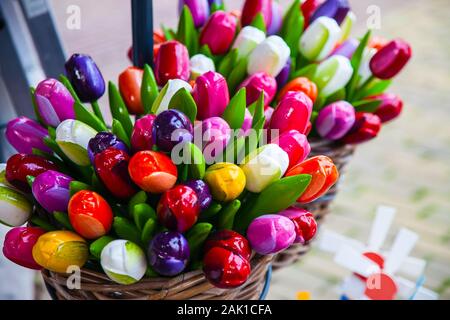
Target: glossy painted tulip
[203,193]
[25,135]
[390,59]
[59,250]
[220,23]
[254,7]
[225,180]
[283,77]
[364,71]
[295,144]
[324,175]
[264,166]
[308,8]
[302,84]
[247,124]
[347,48]
[172,62]
[73,137]
[211,95]
[19,166]
[170,128]
[270,56]
[90,215]
[268,112]
[162,101]
[142,135]
[54,102]
[247,40]
[123,261]
[85,77]
[168,253]
[292,113]
[390,108]
[51,190]
[271,233]
[18,246]
[304,222]
[366,127]
[277,19]
[103,141]
[259,83]
[111,166]
[130,82]
[335,120]
[226,260]
[335,9]
[178,208]
[319,39]
[199,10]
[347,26]
[216,134]
[200,64]
[15,208]
[152,171]
[332,75]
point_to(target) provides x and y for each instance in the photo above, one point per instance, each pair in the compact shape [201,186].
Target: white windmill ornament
[377,274]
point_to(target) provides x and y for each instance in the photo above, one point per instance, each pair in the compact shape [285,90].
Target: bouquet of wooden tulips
[190,181]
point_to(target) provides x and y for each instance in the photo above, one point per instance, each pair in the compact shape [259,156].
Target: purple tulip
[168,253]
[171,127]
[211,95]
[335,9]
[216,134]
[103,141]
[202,191]
[335,120]
[258,83]
[283,77]
[199,10]
[51,190]
[25,134]
[347,48]
[277,19]
[271,233]
[54,102]
[86,78]
[141,137]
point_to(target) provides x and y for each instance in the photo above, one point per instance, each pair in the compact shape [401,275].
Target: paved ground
[407,166]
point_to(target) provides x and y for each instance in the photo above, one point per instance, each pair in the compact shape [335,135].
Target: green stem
[42,223]
[355,94]
[97,111]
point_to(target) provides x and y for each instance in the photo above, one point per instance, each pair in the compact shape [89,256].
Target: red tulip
[304,222]
[295,144]
[130,88]
[90,214]
[366,127]
[308,8]
[178,208]
[253,7]
[390,59]
[19,166]
[390,108]
[152,171]
[218,33]
[230,240]
[111,165]
[172,62]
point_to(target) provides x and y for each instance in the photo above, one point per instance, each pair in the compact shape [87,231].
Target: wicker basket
[341,155]
[190,285]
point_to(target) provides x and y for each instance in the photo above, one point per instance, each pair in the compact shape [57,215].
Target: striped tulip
[335,120]
[247,40]
[18,246]
[51,190]
[15,208]
[25,135]
[199,10]
[364,71]
[200,64]
[130,81]
[259,83]
[347,26]
[270,56]
[103,141]
[335,9]
[366,127]
[333,74]
[390,59]
[254,7]
[211,95]
[220,23]
[295,144]
[172,62]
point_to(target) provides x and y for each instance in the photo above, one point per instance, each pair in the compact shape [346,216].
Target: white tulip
[15,208]
[200,64]
[333,74]
[162,101]
[347,25]
[270,56]
[247,40]
[364,71]
[123,261]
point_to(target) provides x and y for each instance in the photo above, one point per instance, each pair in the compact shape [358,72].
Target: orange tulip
[324,175]
[300,84]
[130,88]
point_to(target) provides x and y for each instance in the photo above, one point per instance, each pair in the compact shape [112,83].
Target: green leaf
[237,75]
[149,231]
[287,191]
[97,112]
[309,72]
[234,113]
[217,6]
[169,34]
[84,115]
[119,110]
[141,213]
[149,89]
[63,219]
[76,186]
[205,50]
[119,131]
[211,211]
[138,198]
[197,164]
[159,99]
[35,220]
[324,101]
[226,215]
[356,62]
[375,88]
[183,172]
[182,100]
[35,107]
[30,180]
[49,156]
[97,246]
[367,105]
[125,229]
[228,62]
[292,27]
[196,238]
[258,23]
[63,79]
[258,113]
[187,34]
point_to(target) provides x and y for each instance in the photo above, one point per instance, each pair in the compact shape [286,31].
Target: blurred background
[406,167]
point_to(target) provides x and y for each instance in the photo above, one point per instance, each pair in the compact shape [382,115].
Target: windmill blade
[353,260]
[408,290]
[353,287]
[425,294]
[403,244]
[412,267]
[330,241]
[380,227]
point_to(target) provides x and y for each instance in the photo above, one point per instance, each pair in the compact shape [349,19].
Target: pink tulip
[141,137]
[211,95]
[218,33]
[295,144]
[257,83]
[25,134]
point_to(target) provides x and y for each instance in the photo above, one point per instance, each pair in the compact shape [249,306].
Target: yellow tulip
[226,181]
[57,250]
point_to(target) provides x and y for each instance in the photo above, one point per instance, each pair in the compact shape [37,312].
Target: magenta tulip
[390,59]
[218,33]
[335,120]
[247,124]
[216,134]
[390,108]
[141,137]
[51,190]
[295,144]
[259,83]
[25,135]
[18,246]
[199,10]
[254,7]
[211,95]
